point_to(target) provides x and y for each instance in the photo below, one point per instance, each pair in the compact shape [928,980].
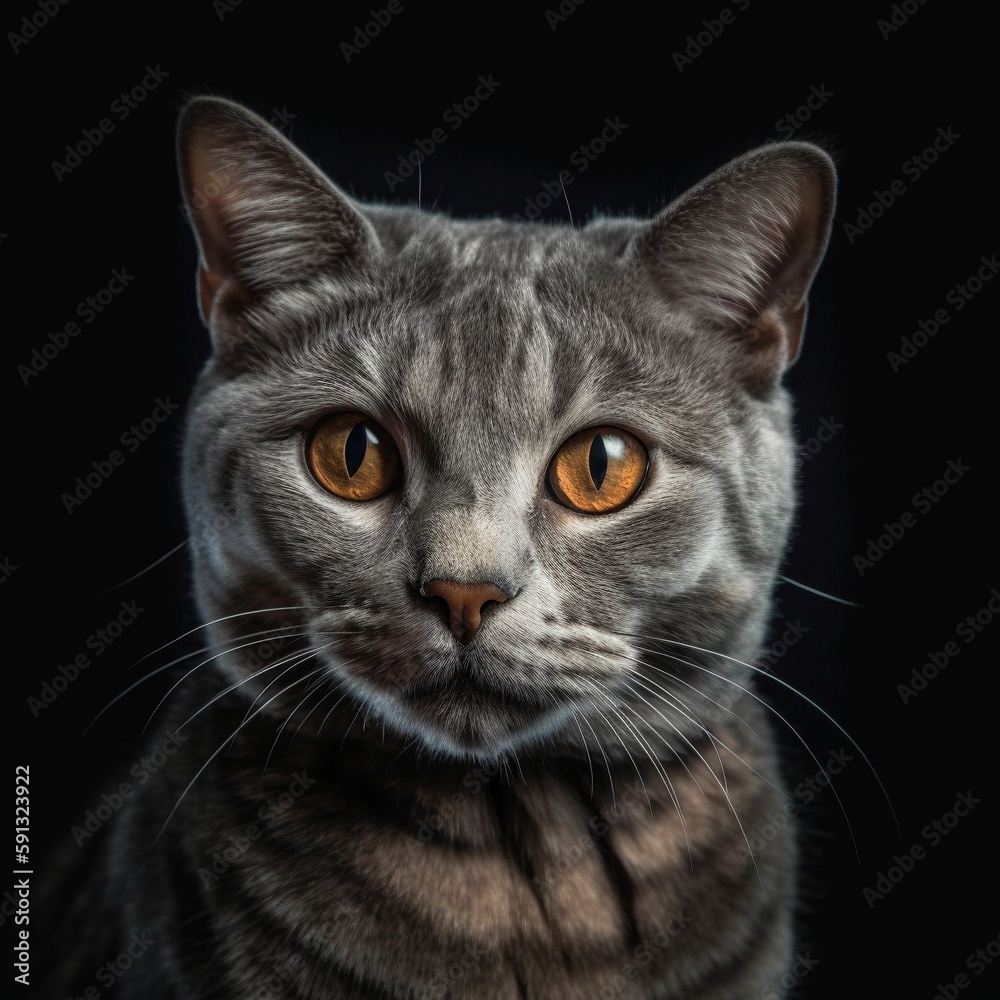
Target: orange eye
[598,470]
[353,457]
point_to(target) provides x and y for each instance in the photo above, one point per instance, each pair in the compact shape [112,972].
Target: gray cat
[485,521]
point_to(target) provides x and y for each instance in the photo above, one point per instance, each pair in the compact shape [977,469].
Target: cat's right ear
[738,252]
[266,219]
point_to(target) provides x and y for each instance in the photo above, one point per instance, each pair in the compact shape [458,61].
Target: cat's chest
[496,882]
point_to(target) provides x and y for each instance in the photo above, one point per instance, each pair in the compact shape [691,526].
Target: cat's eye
[598,470]
[353,457]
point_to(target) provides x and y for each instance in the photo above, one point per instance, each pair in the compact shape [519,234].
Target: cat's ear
[739,250]
[266,218]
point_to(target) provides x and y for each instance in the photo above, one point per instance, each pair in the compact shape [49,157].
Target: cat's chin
[470,721]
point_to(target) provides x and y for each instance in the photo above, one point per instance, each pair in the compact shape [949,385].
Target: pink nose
[465,604]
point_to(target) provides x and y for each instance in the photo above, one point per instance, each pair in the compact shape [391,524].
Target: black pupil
[355,448]
[598,461]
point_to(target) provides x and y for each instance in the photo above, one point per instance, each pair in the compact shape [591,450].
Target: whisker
[143,572]
[677,679]
[328,714]
[277,736]
[669,698]
[628,752]
[292,659]
[408,746]
[142,680]
[217,621]
[343,739]
[159,670]
[800,694]
[215,753]
[333,689]
[819,593]
[792,729]
[713,736]
[586,750]
[215,656]
[302,654]
[607,763]
[723,784]
[228,690]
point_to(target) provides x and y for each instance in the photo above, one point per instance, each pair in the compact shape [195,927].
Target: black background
[67,573]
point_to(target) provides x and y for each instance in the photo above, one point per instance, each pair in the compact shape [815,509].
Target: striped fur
[559,808]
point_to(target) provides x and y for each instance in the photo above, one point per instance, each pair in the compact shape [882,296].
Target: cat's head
[493,485]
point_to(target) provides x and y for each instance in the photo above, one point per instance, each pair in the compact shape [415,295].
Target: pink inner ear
[208,288]
[207,181]
[794,325]
[778,333]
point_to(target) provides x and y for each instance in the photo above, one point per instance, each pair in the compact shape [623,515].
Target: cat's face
[494,486]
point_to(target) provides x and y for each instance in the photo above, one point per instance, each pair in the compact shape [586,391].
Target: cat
[485,521]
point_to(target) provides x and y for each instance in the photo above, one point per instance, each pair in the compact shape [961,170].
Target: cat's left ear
[738,251]
[266,218]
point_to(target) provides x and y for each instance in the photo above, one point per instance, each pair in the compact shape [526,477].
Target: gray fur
[617,764]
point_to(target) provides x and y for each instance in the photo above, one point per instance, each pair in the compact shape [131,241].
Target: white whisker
[277,736]
[215,656]
[217,621]
[215,753]
[586,750]
[799,694]
[628,752]
[752,694]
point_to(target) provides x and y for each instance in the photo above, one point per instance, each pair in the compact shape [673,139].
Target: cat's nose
[465,603]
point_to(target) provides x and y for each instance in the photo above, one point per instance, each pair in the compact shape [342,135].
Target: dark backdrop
[886,406]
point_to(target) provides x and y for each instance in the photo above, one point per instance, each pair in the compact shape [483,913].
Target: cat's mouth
[469,701]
